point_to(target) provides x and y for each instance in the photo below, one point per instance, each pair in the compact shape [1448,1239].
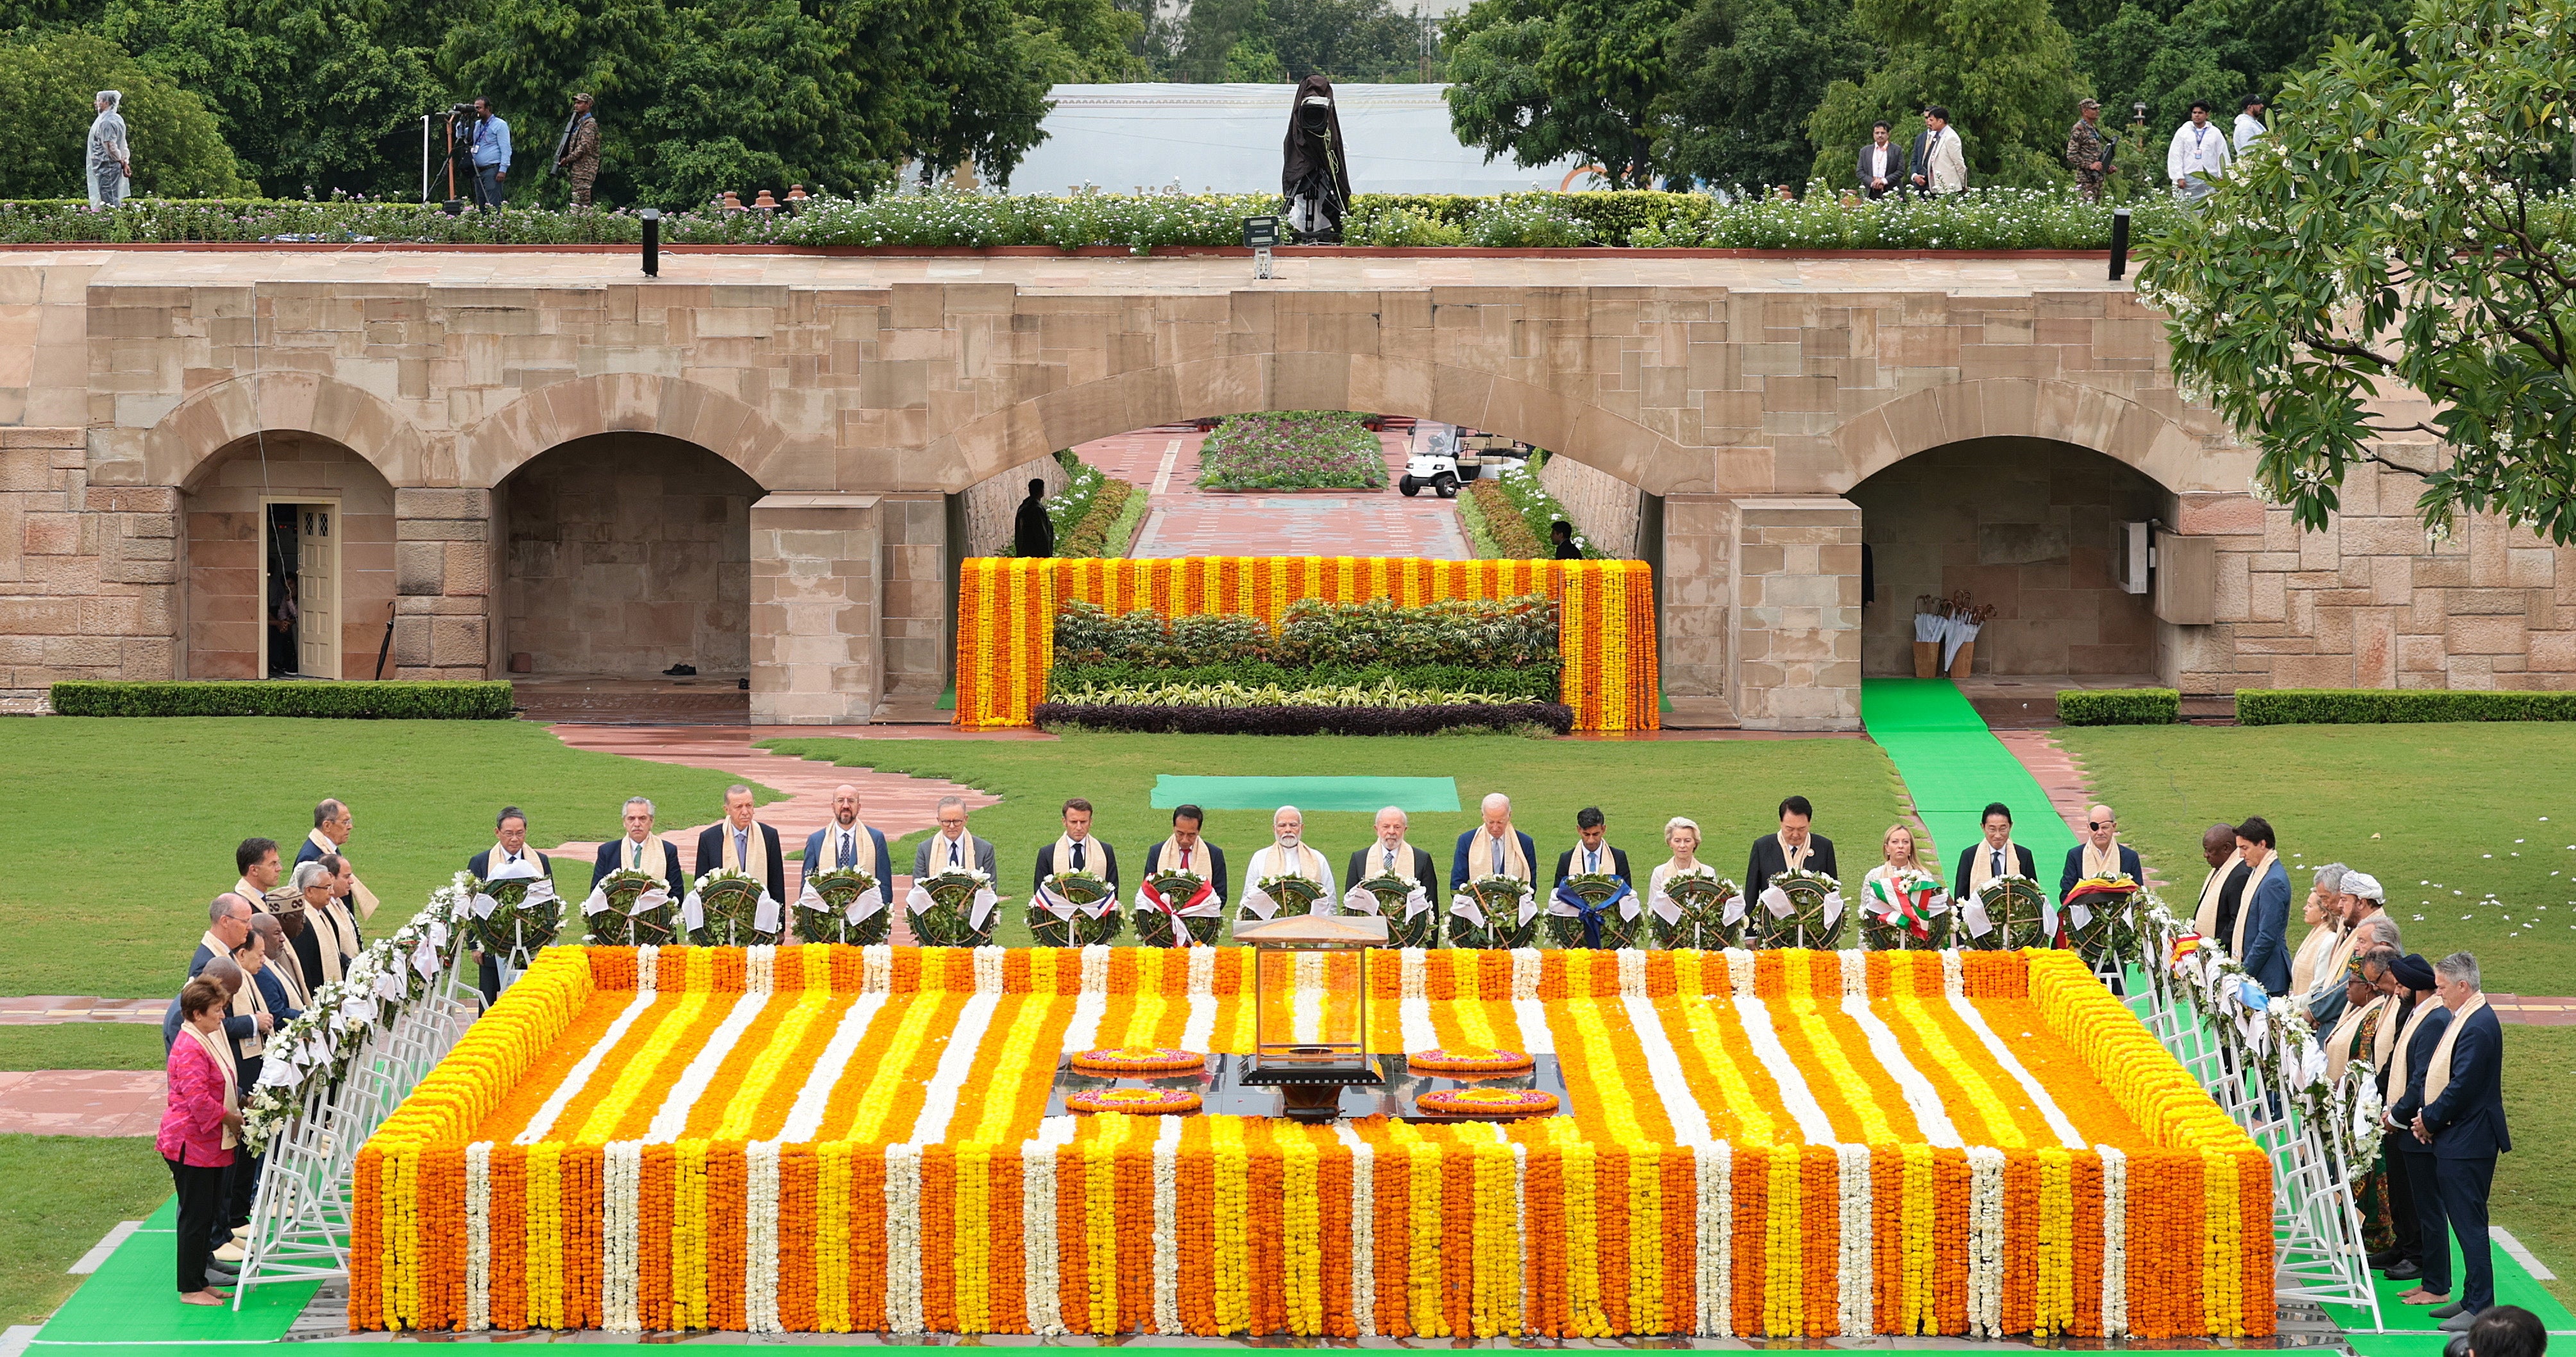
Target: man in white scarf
[1997,856]
[1493,848]
[1075,850]
[1393,854]
[1289,855]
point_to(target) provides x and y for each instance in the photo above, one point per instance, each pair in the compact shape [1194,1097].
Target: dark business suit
[2391,1080]
[2267,948]
[1769,860]
[1618,865]
[1897,169]
[1462,871]
[1216,868]
[1098,858]
[711,848]
[1371,861]
[2075,868]
[612,858]
[883,871]
[2467,1125]
[488,976]
[2417,1157]
[2023,864]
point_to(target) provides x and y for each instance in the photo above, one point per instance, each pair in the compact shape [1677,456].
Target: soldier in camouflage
[2088,151]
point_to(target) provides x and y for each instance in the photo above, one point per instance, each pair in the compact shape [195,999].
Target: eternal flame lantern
[1310,1014]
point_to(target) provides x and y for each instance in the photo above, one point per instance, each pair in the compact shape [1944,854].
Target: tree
[2004,68]
[1747,73]
[48,87]
[1541,79]
[2404,226]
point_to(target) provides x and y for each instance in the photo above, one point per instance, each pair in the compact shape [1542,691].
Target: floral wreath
[1143,1101]
[1486,1102]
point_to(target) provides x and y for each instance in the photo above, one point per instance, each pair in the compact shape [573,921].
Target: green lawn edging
[402,699]
[2388,706]
[2119,706]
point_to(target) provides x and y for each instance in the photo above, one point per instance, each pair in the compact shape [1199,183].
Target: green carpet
[134,1296]
[1953,766]
[1310,794]
[2514,1286]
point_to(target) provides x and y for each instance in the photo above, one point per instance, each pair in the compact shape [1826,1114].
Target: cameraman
[491,146]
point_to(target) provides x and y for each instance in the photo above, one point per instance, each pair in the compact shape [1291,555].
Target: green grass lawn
[2472,827]
[126,827]
[58,1196]
[82,1046]
[2535,1186]
[1730,788]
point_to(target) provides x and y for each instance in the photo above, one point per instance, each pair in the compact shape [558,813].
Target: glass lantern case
[1310,1008]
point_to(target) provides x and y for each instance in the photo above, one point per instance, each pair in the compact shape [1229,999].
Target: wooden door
[317,591]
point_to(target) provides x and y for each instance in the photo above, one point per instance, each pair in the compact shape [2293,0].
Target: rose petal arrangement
[834,1139]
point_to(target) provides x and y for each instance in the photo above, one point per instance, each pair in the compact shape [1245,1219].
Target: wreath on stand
[1073,909]
[730,908]
[1595,910]
[1287,895]
[2100,919]
[1914,915]
[1697,908]
[956,908]
[1185,896]
[1406,907]
[1799,908]
[629,908]
[510,918]
[1493,913]
[2010,912]
[844,905]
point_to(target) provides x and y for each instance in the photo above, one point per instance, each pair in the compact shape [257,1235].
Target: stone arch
[215,419]
[619,402]
[1243,383]
[2161,448]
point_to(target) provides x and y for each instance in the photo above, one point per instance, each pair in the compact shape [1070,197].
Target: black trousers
[2464,1184]
[241,1192]
[2401,1198]
[201,1197]
[2434,1227]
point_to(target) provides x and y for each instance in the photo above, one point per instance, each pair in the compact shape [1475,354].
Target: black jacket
[612,857]
[2022,863]
[1768,859]
[2467,1121]
[1618,865]
[2419,1063]
[1899,165]
[2075,868]
[1216,868]
[1102,863]
[711,848]
[1364,864]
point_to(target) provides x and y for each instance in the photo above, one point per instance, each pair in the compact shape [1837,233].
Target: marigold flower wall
[840,1139]
[1006,616]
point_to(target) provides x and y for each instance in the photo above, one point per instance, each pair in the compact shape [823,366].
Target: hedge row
[1554,716]
[395,700]
[1090,537]
[1534,685]
[2374,706]
[2119,706]
[1503,523]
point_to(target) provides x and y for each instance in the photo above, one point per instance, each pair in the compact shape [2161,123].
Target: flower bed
[839,1139]
[1281,718]
[1292,450]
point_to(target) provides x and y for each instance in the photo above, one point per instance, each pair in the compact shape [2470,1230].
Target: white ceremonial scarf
[1374,859]
[213,1045]
[957,854]
[1662,904]
[751,846]
[366,899]
[1281,860]
[1480,855]
[2386,1038]
[646,857]
[2204,920]
[2437,1076]
[1603,860]
[2102,861]
[2336,962]
[248,1003]
[1982,869]
[336,938]
[1195,860]
[2405,1039]
[1091,863]
[2346,1031]
[1795,859]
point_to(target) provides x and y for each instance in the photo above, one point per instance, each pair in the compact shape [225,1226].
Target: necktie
[1999,863]
[635,854]
[742,849]
[954,857]
[1498,856]
[849,854]
[1077,855]
[1390,862]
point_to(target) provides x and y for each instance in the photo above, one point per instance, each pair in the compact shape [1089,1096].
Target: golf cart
[1443,457]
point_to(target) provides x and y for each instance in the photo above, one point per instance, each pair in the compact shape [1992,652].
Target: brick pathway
[36,1010]
[1188,521]
[81,1102]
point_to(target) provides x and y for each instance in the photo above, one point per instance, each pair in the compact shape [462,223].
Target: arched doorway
[624,555]
[289,548]
[2026,524]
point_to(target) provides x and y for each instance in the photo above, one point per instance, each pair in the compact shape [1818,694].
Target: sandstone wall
[1601,506]
[227,596]
[88,574]
[993,505]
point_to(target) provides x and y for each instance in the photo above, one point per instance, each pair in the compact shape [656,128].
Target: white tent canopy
[1227,138]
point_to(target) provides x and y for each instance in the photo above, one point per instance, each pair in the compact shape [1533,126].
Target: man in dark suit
[1392,855]
[1882,163]
[850,844]
[639,849]
[1593,853]
[2462,1118]
[1488,849]
[2402,1260]
[227,923]
[2267,906]
[2408,1064]
[1077,851]
[2100,853]
[1795,845]
[1185,851]
[1997,856]
[511,850]
[745,845]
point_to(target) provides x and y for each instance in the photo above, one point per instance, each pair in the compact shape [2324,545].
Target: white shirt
[956,853]
[634,850]
[2198,150]
[1878,160]
[2249,130]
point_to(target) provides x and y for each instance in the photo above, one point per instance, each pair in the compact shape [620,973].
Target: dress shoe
[2459,1323]
[2420,1296]
[2451,1310]
[2385,1257]
[2403,1270]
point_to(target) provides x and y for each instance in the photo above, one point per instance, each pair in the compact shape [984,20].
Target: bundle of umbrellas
[1951,622]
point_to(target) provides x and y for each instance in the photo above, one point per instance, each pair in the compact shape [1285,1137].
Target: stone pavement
[35,1010]
[1188,521]
[81,1102]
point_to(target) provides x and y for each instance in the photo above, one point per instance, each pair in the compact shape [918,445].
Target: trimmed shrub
[2391,706]
[1090,536]
[2119,706]
[1504,633]
[1068,683]
[1503,522]
[1555,717]
[397,699]
[1539,509]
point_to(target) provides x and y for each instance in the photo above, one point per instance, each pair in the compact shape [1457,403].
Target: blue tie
[849,850]
[1498,857]
[742,848]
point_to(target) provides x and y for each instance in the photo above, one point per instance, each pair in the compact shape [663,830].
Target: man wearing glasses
[2100,853]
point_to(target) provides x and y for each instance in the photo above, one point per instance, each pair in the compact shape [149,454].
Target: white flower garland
[1198,1032]
[759,965]
[956,1062]
[1363,1227]
[903,1238]
[760,1238]
[647,969]
[1167,1244]
[2115,1241]
[1528,968]
[478,1236]
[1985,1241]
[1739,972]
[1854,1311]
[988,969]
[1664,1071]
[1855,973]
[1537,1037]
[1409,969]
[1795,1094]
[1954,981]
[1306,997]
[1921,1098]
[622,1165]
[1202,973]
[805,1117]
[1713,1167]
[1095,968]
[1413,1002]
[1632,973]
[876,968]
[671,1119]
[2031,1088]
[579,1076]
[1038,1242]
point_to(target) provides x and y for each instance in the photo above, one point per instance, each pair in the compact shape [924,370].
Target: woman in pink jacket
[198,1131]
